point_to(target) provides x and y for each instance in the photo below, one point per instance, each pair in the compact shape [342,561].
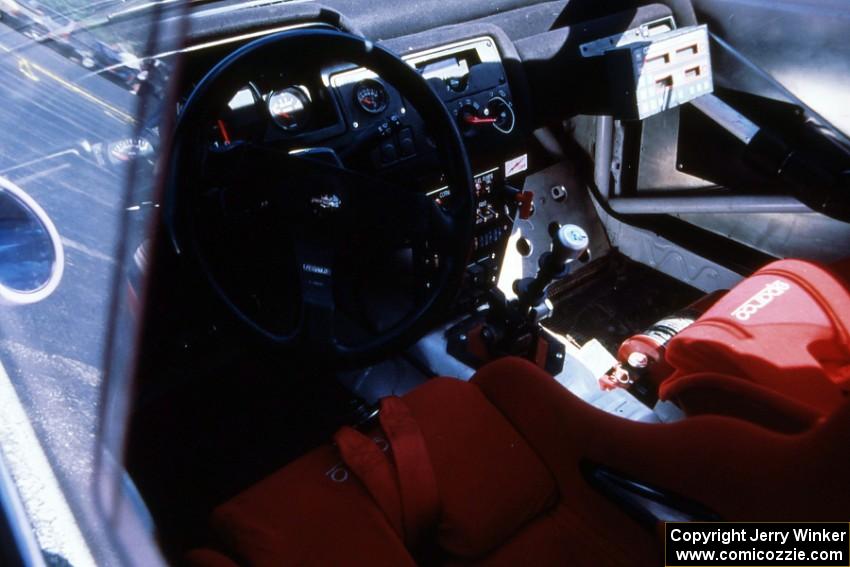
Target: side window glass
[84,88]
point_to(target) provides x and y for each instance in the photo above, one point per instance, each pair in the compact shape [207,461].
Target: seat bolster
[720,394]
[563,430]
[489,481]
[737,469]
[785,330]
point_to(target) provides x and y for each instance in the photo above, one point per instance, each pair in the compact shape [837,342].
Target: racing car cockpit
[461,285]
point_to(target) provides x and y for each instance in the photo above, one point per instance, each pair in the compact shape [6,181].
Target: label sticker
[516,165]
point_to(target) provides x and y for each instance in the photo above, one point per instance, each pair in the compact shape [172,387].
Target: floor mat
[614,298]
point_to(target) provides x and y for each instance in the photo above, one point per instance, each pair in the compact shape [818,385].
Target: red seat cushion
[490,483]
[311,512]
[785,331]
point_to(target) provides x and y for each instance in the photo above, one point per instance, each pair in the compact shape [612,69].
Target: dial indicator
[372,96]
[290,108]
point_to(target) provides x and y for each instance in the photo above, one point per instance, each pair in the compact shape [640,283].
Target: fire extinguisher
[643,355]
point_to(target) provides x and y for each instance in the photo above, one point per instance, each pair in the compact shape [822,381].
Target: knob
[456,84]
[570,243]
[469,115]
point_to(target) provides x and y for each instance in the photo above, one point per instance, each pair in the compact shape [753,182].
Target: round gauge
[290,108]
[371,96]
[500,110]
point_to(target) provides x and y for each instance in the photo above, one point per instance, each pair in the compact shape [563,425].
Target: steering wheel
[307,207]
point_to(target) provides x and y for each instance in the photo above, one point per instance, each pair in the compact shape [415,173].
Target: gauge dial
[503,115]
[290,108]
[371,96]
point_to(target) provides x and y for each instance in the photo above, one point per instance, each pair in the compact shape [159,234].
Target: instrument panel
[468,76]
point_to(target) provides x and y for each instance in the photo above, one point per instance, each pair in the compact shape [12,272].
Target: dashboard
[308,106]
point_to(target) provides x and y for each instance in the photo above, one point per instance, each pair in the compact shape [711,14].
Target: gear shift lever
[511,327]
[568,244]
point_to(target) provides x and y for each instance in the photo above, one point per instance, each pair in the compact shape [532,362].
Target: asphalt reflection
[55,117]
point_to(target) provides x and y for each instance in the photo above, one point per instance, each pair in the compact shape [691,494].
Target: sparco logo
[759,300]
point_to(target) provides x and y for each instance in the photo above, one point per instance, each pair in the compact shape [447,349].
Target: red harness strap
[372,466]
[407,493]
[420,501]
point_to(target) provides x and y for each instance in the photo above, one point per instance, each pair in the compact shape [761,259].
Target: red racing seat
[774,350]
[528,474]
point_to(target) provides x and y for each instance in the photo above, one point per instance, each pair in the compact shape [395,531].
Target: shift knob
[569,243]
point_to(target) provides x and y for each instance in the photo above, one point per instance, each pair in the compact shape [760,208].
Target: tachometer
[290,108]
[371,96]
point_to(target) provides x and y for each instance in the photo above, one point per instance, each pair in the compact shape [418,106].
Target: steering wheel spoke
[316,271]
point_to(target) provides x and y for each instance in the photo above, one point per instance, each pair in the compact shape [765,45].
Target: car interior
[488,283]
